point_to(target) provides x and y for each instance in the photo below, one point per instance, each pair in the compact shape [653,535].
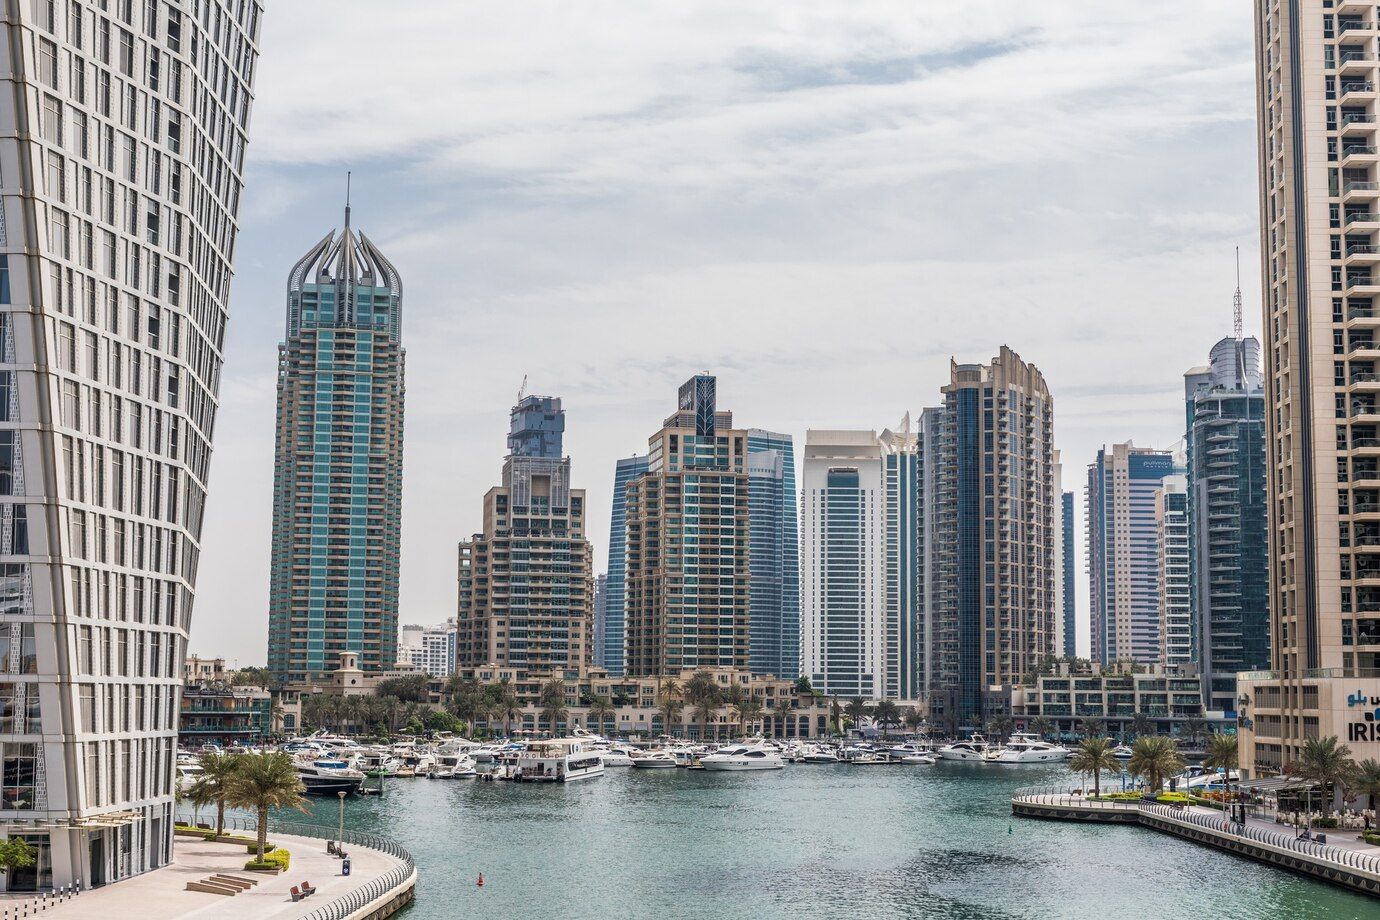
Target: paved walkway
[1342,838]
[162,894]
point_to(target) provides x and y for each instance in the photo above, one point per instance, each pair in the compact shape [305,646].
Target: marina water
[805,842]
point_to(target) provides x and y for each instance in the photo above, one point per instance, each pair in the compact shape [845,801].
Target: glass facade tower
[121,169]
[615,599]
[337,478]
[774,556]
[1066,564]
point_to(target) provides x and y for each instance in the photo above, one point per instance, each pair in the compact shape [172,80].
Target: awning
[1276,784]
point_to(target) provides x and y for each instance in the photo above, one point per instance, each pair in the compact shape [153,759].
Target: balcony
[1363,220]
[1357,91]
[1364,348]
[1356,28]
[1359,189]
[1355,62]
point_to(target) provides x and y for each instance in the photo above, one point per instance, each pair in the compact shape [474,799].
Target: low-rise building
[195,670]
[636,701]
[1115,696]
[216,712]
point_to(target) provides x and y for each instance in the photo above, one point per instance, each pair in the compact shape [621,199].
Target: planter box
[274,871]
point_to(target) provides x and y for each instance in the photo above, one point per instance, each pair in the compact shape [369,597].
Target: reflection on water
[805,843]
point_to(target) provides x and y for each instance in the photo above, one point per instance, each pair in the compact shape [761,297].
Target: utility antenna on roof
[347,199]
[522,390]
[1236,300]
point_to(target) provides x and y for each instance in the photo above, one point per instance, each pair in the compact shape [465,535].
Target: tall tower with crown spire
[337,481]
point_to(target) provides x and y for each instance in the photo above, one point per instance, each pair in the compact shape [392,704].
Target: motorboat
[617,756]
[1025,748]
[743,757]
[818,754]
[915,759]
[452,765]
[329,776]
[1122,752]
[187,774]
[654,760]
[560,760]
[974,749]
[909,748]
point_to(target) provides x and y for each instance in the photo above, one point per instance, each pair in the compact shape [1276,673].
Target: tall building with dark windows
[526,583]
[615,600]
[1122,561]
[1068,549]
[122,142]
[687,569]
[601,605]
[1172,567]
[774,555]
[1228,518]
[337,477]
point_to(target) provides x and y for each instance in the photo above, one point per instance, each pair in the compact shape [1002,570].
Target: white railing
[352,901]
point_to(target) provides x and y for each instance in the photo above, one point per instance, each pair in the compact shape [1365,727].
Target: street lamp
[340,835]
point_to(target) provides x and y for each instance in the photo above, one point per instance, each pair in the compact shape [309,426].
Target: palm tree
[1193,729]
[266,781]
[670,709]
[747,710]
[601,710]
[1155,757]
[1041,726]
[1000,726]
[857,710]
[1222,752]
[1368,780]
[913,719]
[506,705]
[702,695]
[1325,762]
[835,715]
[1094,757]
[212,786]
[1092,728]
[886,713]
[552,701]
[1141,724]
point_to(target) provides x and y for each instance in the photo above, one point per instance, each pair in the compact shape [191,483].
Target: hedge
[278,859]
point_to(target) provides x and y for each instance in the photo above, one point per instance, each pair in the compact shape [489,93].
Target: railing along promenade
[350,903]
[1352,868]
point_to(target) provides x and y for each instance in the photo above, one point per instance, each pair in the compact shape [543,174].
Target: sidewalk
[161,894]
[1342,838]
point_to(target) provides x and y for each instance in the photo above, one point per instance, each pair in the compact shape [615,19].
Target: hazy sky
[818,202]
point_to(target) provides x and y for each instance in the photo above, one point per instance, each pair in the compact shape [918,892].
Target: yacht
[1023,748]
[187,774]
[452,765]
[743,757]
[818,754]
[974,749]
[328,776]
[654,760]
[560,760]
[1121,752]
[617,756]
[909,748]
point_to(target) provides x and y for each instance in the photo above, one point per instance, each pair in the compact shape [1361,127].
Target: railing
[348,903]
[28,907]
[1354,149]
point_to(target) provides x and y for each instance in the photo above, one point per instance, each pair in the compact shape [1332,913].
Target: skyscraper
[1122,561]
[615,601]
[686,603]
[337,475]
[901,482]
[526,584]
[1067,548]
[1316,72]
[123,147]
[994,518]
[1228,518]
[1057,534]
[1172,565]
[601,612]
[773,556]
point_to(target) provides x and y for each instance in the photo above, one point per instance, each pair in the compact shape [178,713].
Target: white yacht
[743,757]
[1024,748]
[818,754]
[187,774]
[617,755]
[327,776]
[974,749]
[1121,752]
[560,760]
[909,748]
[654,760]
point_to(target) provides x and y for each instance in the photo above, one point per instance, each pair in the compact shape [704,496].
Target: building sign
[1368,729]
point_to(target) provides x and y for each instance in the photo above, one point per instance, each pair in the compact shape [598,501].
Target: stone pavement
[161,894]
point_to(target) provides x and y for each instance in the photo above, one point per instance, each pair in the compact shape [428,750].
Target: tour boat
[560,760]
[743,757]
[328,776]
[654,760]
[1023,748]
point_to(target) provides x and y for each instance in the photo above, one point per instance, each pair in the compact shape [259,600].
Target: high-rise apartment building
[429,648]
[936,630]
[1057,535]
[993,526]
[1317,65]
[1122,562]
[773,556]
[526,584]
[1228,517]
[123,147]
[615,602]
[1067,548]
[901,482]
[686,600]
[337,475]
[601,607]
[1172,569]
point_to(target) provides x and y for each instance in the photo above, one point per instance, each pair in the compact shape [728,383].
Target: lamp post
[340,835]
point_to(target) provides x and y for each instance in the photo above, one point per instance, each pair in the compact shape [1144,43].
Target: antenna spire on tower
[347,199]
[1236,300]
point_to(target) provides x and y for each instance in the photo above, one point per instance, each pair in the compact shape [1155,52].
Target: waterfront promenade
[378,884]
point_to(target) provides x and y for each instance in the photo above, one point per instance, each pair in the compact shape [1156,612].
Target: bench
[305,890]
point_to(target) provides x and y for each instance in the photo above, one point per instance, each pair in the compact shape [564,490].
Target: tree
[412,688]
[701,693]
[914,719]
[1222,752]
[886,713]
[1093,757]
[214,784]
[1155,757]
[1041,727]
[857,710]
[601,710]
[15,853]
[1368,780]
[1092,728]
[1325,762]
[1193,729]
[506,705]
[1000,727]
[263,782]
[551,698]
[1141,724]
[252,677]
[748,710]
[438,721]
[803,687]
[670,709]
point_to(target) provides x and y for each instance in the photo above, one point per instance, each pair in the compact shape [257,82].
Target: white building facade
[124,127]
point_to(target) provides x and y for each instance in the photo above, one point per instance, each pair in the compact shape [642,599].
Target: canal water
[816,842]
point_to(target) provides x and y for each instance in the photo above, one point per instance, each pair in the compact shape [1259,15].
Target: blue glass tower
[773,556]
[1070,612]
[337,482]
[615,594]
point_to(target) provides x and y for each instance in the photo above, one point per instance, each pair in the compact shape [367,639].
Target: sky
[821,203]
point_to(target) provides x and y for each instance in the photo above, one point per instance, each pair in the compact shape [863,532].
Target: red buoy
[480,883]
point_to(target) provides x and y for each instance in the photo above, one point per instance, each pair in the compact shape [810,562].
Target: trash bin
[345,866]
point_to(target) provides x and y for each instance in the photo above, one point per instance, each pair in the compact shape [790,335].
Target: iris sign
[1368,729]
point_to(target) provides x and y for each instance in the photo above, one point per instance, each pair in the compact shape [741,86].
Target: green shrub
[1372,838]
[278,858]
[253,847]
[1325,822]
